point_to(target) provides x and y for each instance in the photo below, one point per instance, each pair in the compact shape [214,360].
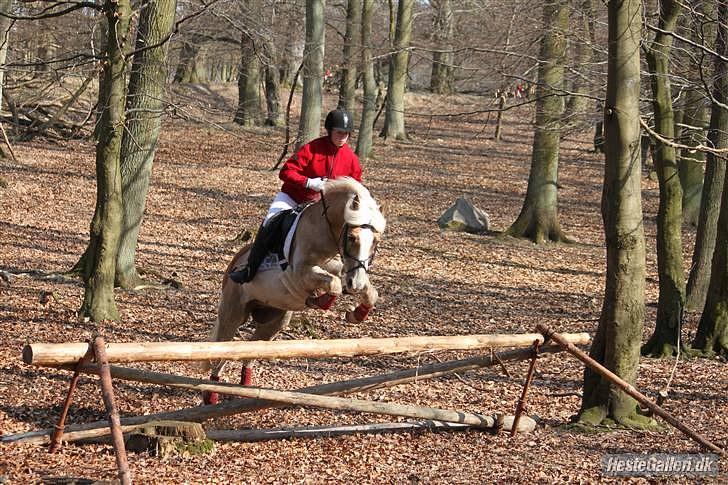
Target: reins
[340,242]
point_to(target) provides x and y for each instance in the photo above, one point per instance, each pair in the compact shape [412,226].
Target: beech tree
[144,106]
[313,71]
[394,127]
[347,84]
[99,270]
[369,108]
[712,335]
[538,220]
[666,336]
[616,343]
[442,77]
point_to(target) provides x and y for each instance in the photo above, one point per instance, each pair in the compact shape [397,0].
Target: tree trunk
[578,101]
[699,278]
[369,108]
[691,163]
[189,66]
[98,299]
[539,220]
[5,25]
[499,117]
[394,113]
[666,337]
[145,103]
[313,73]
[249,109]
[616,344]
[274,116]
[442,77]
[347,87]
[712,336]
[711,190]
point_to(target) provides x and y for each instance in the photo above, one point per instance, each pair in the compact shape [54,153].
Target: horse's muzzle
[356,281]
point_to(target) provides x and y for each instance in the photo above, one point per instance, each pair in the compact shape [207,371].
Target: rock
[464,216]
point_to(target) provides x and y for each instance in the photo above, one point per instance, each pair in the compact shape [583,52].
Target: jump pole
[69,353]
[236,406]
[305,399]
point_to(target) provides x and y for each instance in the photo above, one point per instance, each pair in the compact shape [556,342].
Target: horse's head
[363,225]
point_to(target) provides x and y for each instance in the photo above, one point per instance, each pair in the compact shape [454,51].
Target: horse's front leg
[324,285]
[367,299]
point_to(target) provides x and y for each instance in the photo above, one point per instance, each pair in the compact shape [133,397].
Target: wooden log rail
[69,353]
[228,408]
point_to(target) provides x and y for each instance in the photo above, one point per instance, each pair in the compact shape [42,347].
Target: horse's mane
[368,212]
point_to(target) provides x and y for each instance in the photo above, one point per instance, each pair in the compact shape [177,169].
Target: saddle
[271,239]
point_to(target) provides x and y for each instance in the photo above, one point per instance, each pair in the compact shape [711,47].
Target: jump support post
[627,387]
[228,408]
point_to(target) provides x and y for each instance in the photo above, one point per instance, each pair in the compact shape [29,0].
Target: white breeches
[281,202]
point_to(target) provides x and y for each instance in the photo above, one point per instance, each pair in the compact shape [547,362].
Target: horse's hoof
[359,314]
[246,376]
[322,302]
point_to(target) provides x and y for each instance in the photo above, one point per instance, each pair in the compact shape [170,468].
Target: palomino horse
[335,239]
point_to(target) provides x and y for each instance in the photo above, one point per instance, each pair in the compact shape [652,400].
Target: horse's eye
[352,238]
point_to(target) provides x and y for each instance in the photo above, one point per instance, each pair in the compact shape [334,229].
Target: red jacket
[317,158]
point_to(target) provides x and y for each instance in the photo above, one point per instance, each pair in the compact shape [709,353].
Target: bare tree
[617,339]
[666,336]
[313,68]
[347,85]
[538,220]
[442,78]
[99,270]
[144,106]
[366,128]
[394,126]
[712,335]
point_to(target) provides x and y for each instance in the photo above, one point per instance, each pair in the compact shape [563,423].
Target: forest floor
[212,179]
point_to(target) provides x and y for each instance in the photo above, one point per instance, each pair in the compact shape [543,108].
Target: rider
[303,176]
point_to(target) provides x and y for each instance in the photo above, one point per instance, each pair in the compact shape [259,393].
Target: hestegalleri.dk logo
[636,464]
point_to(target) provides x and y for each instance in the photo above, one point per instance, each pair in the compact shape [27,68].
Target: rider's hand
[315,184]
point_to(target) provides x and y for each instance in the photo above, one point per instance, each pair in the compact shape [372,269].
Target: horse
[335,239]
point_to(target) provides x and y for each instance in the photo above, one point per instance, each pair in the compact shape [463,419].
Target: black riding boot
[264,242]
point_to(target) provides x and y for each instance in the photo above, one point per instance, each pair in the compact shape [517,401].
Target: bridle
[342,241]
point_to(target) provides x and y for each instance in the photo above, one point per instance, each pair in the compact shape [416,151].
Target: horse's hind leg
[229,318]
[269,322]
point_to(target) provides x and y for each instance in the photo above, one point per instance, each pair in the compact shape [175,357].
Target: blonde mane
[368,212]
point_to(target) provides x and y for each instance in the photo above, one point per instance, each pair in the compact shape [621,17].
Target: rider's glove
[315,184]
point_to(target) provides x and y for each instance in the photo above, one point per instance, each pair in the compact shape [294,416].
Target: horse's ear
[355,203]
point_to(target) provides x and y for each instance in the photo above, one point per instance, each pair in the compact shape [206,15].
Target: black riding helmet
[340,120]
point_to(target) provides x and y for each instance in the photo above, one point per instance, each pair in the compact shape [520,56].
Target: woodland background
[479,102]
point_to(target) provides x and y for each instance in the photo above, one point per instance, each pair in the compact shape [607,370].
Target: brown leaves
[209,185]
